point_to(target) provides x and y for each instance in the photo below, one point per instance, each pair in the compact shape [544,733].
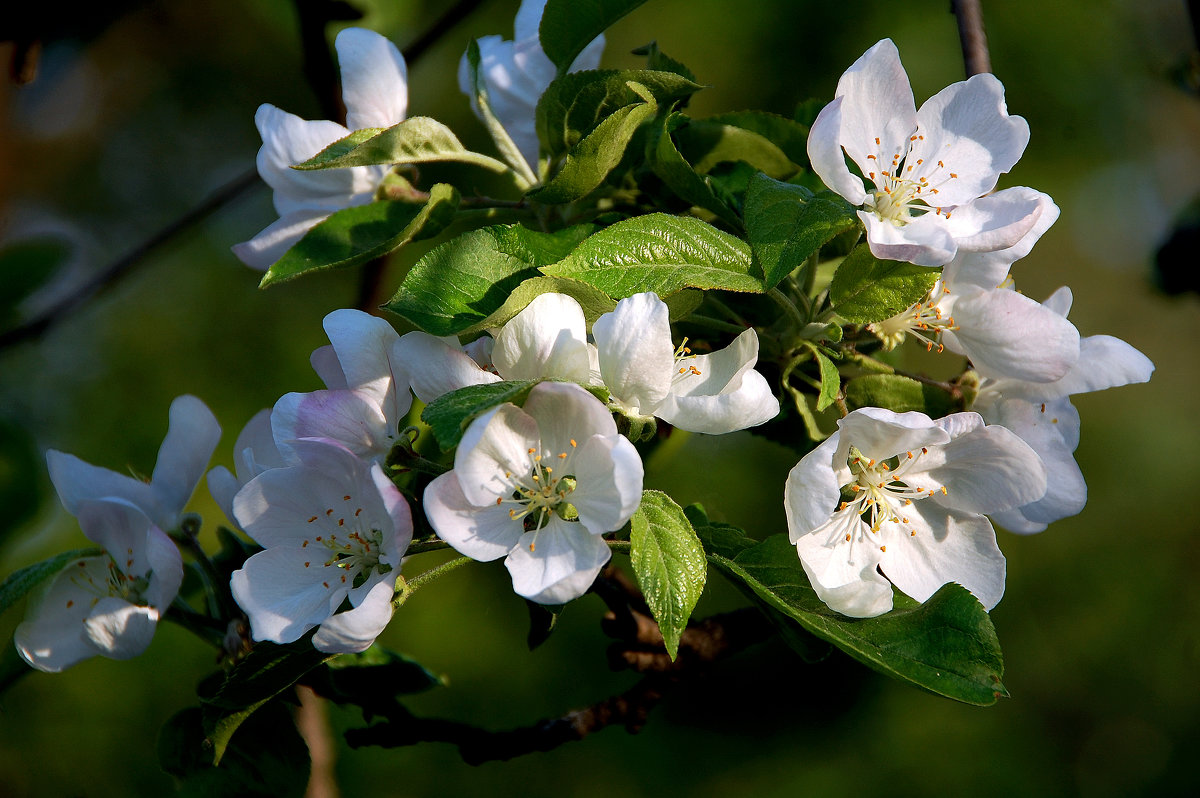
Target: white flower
[191,438]
[254,452]
[367,390]
[926,172]
[903,494]
[1042,415]
[516,73]
[109,604]
[538,486]
[375,92]
[438,366]
[333,527]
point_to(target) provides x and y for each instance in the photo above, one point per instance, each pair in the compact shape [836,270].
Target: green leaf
[416,140]
[594,302]
[576,103]
[590,161]
[568,26]
[657,60]
[461,283]
[831,381]
[708,142]
[866,289]
[668,562]
[790,137]
[364,232]
[787,224]
[900,394]
[25,266]
[947,645]
[371,679]
[660,253]
[504,143]
[450,414]
[21,582]
[678,174]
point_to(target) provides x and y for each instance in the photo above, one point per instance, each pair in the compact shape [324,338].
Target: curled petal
[270,244]
[637,359]
[374,79]
[721,392]
[811,493]
[118,629]
[355,630]
[924,240]
[878,113]
[609,473]
[546,340]
[436,367]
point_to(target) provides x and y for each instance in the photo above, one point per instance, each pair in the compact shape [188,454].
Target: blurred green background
[143,109]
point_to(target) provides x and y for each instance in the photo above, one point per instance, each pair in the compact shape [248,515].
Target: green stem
[622,546]
[204,627]
[867,363]
[727,311]
[406,587]
[788,307]
[716,324]
[421,547]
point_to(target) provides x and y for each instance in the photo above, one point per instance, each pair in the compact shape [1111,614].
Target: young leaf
[791,138]
[573,105]
[668,562]
[786,224]
[947,645]
[831,382]
[660,253]
[706,143]
[900,394]
[416,140]
[460,283]
[656,59]
[372,678]
[679,175]
[364,232]
[450,414]
[504,143]
[21,582]
[594,302]
[568,26]
[590,161]
[866,289]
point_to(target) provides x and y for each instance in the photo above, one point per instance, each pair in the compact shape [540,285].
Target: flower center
[879,493]
[905,185]
[354,546]
[543,490]
[115,583]
[925,321]
[684,369]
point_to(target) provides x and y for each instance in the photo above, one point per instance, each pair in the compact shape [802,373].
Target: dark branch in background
[124,265]
[314,16]
[970,32]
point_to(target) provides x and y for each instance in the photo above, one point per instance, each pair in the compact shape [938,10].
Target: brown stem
[970,32]
[312,721]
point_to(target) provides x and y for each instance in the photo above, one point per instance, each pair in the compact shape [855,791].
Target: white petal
[1104,362]
[528,19]
[435,367]
[166,569]
[282,597]
[497,443]
[880,433]
[995,222]
[120,630]
[811,492]
[121,528]
[363,344]
[1006,334]
[52,636]
[191,439]
[924,241]
[827,157]
[637,358]
[223,486]
[355,630]
[843,572]
[399,535]
[482,533]
[324,361]
[255,450]
[726,395]
[77,481]
[967,127]
[349,418]
[556,563]
[990,269]
[546,340]
[948,546]
[262,251]
[374,79]
[609,475]
[289,140]
[566,412]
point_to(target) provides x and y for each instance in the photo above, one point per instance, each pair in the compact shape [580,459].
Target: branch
[970,32]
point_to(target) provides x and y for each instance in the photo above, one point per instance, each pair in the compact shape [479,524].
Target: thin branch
[970,32]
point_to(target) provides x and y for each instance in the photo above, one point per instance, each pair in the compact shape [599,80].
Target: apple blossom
[109,604]
[925,173]
[254,452]
[192,436]
[333,527]
[516,73]
[375,92]
[904,494]
[538,486]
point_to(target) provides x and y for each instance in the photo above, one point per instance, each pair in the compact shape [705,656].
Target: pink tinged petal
[879,433]
[827,157]
[726,394]
[399,535]
[52,636]
[995,222]
[284,598]
[843,572]
[289,140]
[924,240]
[609,476]
[435,367]
[494,452]
[120,630]
[482,533]
[565,412]
[556,563]
[262,251]
[985,470]
[990,269]
[1060,301]
[355,630]
[191,438]
[637,358]
[1006,334]
[255,450]
[324,361]
[812,490]
[350,418]
[877,103]
[374,79]
[967,127]
[949,546]
[77,481]
[547,340]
